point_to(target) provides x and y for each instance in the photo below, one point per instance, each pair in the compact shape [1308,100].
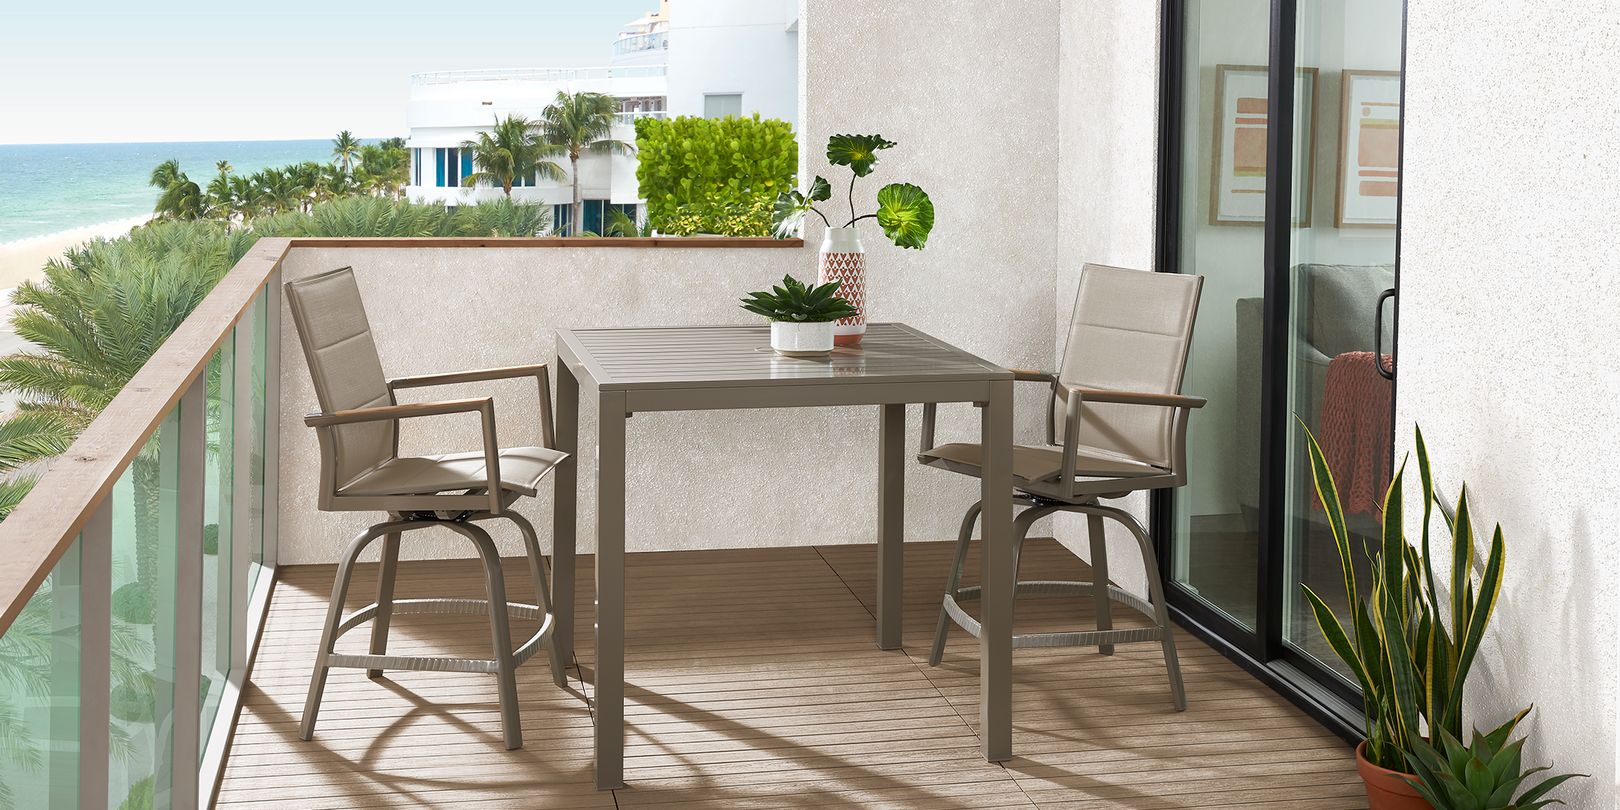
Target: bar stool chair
[1116,398]
[362,470]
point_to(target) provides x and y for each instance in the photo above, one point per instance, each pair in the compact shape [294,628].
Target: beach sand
[24,259]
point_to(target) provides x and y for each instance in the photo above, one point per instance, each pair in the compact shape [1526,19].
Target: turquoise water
[54,187]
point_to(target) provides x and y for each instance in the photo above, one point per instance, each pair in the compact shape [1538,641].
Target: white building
[690,57]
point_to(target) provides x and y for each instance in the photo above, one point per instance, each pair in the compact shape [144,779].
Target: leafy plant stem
[858,219]
[852,218]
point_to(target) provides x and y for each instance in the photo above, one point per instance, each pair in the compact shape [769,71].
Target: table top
[734,356]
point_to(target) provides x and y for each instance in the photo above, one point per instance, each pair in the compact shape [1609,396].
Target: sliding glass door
[1289,333]
[1341,260]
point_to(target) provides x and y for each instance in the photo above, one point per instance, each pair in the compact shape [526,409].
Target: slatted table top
[732,356]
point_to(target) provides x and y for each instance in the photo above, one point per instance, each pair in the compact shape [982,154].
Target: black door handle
[1378,336]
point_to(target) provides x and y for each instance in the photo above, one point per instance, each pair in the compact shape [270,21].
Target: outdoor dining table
[699,368]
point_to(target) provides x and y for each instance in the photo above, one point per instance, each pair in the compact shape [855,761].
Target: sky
[111,71]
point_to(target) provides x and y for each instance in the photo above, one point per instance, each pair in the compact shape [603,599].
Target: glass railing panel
[145,522]
[256,436]
[218,506]
[39,695]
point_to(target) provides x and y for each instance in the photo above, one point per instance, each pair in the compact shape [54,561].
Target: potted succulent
[1409,659]
[904,212]
[801,315]
[1487,774]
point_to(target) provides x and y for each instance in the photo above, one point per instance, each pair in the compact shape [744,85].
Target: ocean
[57,187]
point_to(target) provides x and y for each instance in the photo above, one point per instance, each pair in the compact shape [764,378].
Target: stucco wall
[1107,137]
[1508,311]
[763,477]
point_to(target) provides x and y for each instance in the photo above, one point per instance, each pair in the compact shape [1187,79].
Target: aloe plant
[1486,774]
[795,302]
[1410,661]
[904,211]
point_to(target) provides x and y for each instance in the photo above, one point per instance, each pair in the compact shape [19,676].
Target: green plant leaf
[798,302]
[906,214]
[858,152]
[820,189]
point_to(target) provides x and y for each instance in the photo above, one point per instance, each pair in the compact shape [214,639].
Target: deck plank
[753,682]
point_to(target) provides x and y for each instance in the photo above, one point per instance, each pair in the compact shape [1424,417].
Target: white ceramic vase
[793,339]
[844,260]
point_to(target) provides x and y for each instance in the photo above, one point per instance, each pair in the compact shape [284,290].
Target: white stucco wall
[764,477]
[735,46]
[1107,137]
[1509,307]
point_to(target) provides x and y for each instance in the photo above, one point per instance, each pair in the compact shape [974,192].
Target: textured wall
[1508,313]
[1108,75]
[756,477]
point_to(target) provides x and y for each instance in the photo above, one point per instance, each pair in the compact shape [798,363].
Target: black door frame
[1317,690]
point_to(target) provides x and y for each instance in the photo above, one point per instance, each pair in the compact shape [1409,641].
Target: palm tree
[181,198]
[384,169]
[580,122]
[219,193]
[244,198]
[345,148]
[512,150]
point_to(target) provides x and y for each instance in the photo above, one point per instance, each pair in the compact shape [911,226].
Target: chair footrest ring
[1070,588]
[464,607]
[1085,638]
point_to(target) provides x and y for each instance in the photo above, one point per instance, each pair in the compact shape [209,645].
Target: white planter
[843,260]
[792,339]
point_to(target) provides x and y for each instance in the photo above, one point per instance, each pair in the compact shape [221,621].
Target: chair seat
[522,468]
[1041,463]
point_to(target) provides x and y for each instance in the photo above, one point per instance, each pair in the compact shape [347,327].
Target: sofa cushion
[1339,305]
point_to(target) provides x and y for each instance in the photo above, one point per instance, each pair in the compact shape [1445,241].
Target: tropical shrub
[751,217]
[1410,665]
[706,175]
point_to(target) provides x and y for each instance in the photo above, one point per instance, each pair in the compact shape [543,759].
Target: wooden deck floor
[754,683]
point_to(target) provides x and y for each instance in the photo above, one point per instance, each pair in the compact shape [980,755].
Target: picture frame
[1238,157]
[1369,149]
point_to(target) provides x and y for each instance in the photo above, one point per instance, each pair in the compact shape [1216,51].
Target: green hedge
[705,175]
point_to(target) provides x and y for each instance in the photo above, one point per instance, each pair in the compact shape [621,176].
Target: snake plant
[795,302]
[1486,774]
[1410,645]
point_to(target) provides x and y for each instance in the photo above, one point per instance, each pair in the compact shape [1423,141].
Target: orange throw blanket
[1355,431]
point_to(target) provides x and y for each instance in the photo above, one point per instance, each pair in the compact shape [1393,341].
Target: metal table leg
[565,483]
[996,564]
[610,591]
[891,526]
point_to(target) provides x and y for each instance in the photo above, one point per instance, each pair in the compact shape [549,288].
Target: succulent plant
[795,302]
[1487,774]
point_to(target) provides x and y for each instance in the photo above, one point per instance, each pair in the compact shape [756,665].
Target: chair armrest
[1133,397]
[539,371]
[484,406]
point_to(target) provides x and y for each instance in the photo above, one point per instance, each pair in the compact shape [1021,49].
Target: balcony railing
[139,567]
[641,43]
[630,117]
[538,74]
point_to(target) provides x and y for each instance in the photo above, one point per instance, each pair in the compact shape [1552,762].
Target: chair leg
[334,617]
[954,581]
[500,631]
[542,576]
[1099,578]
[1161,612]
[386,572]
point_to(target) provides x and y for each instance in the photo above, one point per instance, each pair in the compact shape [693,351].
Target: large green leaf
[858,152]
[906,214]
[791,207]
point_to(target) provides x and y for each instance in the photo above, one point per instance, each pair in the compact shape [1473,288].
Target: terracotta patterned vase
[844,260]
[1387,789]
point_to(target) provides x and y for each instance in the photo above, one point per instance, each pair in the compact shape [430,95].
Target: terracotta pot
[1386,789]
[844,260]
